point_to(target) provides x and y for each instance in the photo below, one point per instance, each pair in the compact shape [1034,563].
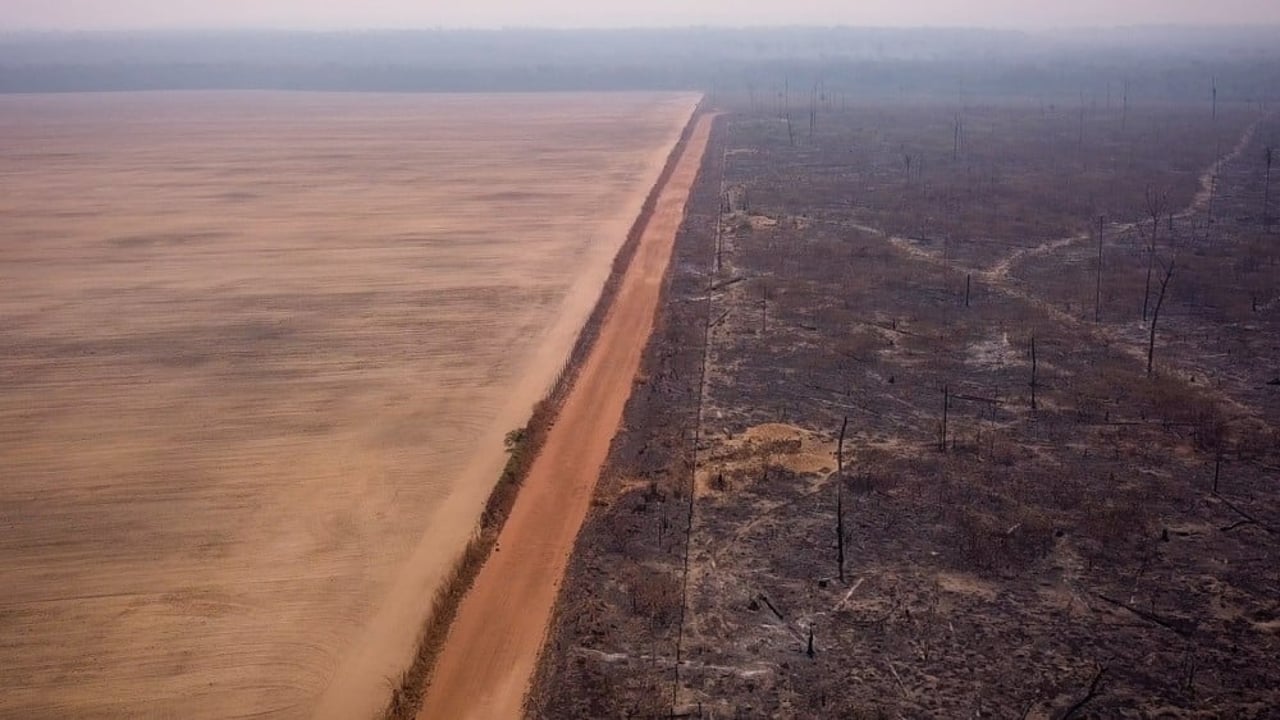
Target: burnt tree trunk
[1155,203]
[1266,194]
[946,402]
[1034,370]
[1124,113]
[1097,293]
[840,498]
[1151,344]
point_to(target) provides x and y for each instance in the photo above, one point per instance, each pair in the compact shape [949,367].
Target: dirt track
[493,645]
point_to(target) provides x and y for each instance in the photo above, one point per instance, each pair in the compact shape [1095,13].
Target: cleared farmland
[260,352]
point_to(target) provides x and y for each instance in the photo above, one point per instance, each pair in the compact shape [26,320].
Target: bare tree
[1124,113]
[813,108]
[946,403]
[1151,344]
[1097,293]
[1081,118]
[1266,192]
[957,138]
[1155,205]
[1215,97]
[1034,370]
[840,497]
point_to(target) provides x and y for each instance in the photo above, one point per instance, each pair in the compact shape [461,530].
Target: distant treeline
[1156,63]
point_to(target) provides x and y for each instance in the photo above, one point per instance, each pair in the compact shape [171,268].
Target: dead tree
[840,497]
[1097,293]
[1155,206]
[946,402]
[813,109]
[957,138]
[1266,193]
[967,278]
[1155,316]
[1081,118]
[1124,113]
[1034,370]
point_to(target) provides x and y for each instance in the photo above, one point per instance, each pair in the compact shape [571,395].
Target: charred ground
[1100,542]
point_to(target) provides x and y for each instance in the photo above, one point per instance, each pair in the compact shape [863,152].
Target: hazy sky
[329,14]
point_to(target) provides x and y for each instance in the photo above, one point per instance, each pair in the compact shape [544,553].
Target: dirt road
[493,645]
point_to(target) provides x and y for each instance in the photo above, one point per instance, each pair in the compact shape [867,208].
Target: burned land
[951,410]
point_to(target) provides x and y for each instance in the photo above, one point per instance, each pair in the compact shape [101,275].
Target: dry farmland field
[911,440]
[260,351]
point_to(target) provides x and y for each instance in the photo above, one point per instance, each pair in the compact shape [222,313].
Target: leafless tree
[1215,97]
[1155,205]
[1266,192]
[1034,371]
[946,403]
[840,497]
[1155,316]
[1124,113]
[813,108]
[1097,293]
[1081,118]
[957,138]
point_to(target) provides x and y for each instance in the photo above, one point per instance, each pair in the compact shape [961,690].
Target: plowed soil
[259,355]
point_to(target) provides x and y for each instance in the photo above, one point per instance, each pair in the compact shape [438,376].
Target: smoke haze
[354,14]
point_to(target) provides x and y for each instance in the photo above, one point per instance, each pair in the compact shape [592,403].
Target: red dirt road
[484,669]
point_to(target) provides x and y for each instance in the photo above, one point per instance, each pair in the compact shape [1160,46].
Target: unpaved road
[493,645]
